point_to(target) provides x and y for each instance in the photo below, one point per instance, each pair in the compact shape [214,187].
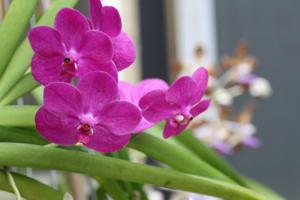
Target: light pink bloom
[133,94]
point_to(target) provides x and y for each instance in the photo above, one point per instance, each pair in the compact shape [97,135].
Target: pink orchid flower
[179,104]
[91,114]
[70,49]
[108,20]
[133,94]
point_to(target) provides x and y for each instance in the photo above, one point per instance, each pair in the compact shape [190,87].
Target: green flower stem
[22,116]
[29,188]
[21,59]
[22,155]
[175,156]
[207,154]
[113,188]
[25,85]
[12,183]
[13,28]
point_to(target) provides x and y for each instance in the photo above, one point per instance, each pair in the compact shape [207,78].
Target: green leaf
[266,192]
[210,156]
[207,154]
[175,156]
[22,155]
[25,85]
[21,59]
[20,116]
[21,135]
[29,188]
[14,27]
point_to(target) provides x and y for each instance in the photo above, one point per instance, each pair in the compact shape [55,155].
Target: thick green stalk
[208,155]
[13,28]
[21,59]
[175,156]
[25,85]
[29,188]
[22,155]
[22,116]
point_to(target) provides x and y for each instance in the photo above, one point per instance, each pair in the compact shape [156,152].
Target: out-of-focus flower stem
[29,188]
[12,183]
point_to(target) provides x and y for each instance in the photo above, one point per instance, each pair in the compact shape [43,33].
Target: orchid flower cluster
[84,102]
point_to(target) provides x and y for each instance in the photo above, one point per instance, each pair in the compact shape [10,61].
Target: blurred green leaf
[19,116]
[25,85]
[13,28]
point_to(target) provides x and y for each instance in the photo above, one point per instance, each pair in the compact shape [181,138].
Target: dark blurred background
[272,29]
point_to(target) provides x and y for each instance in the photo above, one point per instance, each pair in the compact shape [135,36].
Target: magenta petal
[143,125]
[111,21]
[169,130]
[125,91]
[104,141]
[54,129]
[48,69]
[96,13]
[124,51]
[200,107]
[120,117]
[46,41]
[200,76]
[151,98]
[86,65]
[159,111]
[96,45]
[97,89]
[183,92]
[71,24]
[147,86]
[62,99]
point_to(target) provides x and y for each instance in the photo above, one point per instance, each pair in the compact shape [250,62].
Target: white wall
[195,25]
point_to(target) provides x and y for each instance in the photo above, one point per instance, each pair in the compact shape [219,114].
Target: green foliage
[14,27]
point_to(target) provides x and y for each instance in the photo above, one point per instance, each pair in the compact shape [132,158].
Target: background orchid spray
[87,112]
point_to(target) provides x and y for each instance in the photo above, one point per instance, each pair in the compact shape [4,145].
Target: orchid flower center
[68,66]
[85,129]
[181,120]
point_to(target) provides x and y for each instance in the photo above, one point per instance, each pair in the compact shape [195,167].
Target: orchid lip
[85,129]
[69,66]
